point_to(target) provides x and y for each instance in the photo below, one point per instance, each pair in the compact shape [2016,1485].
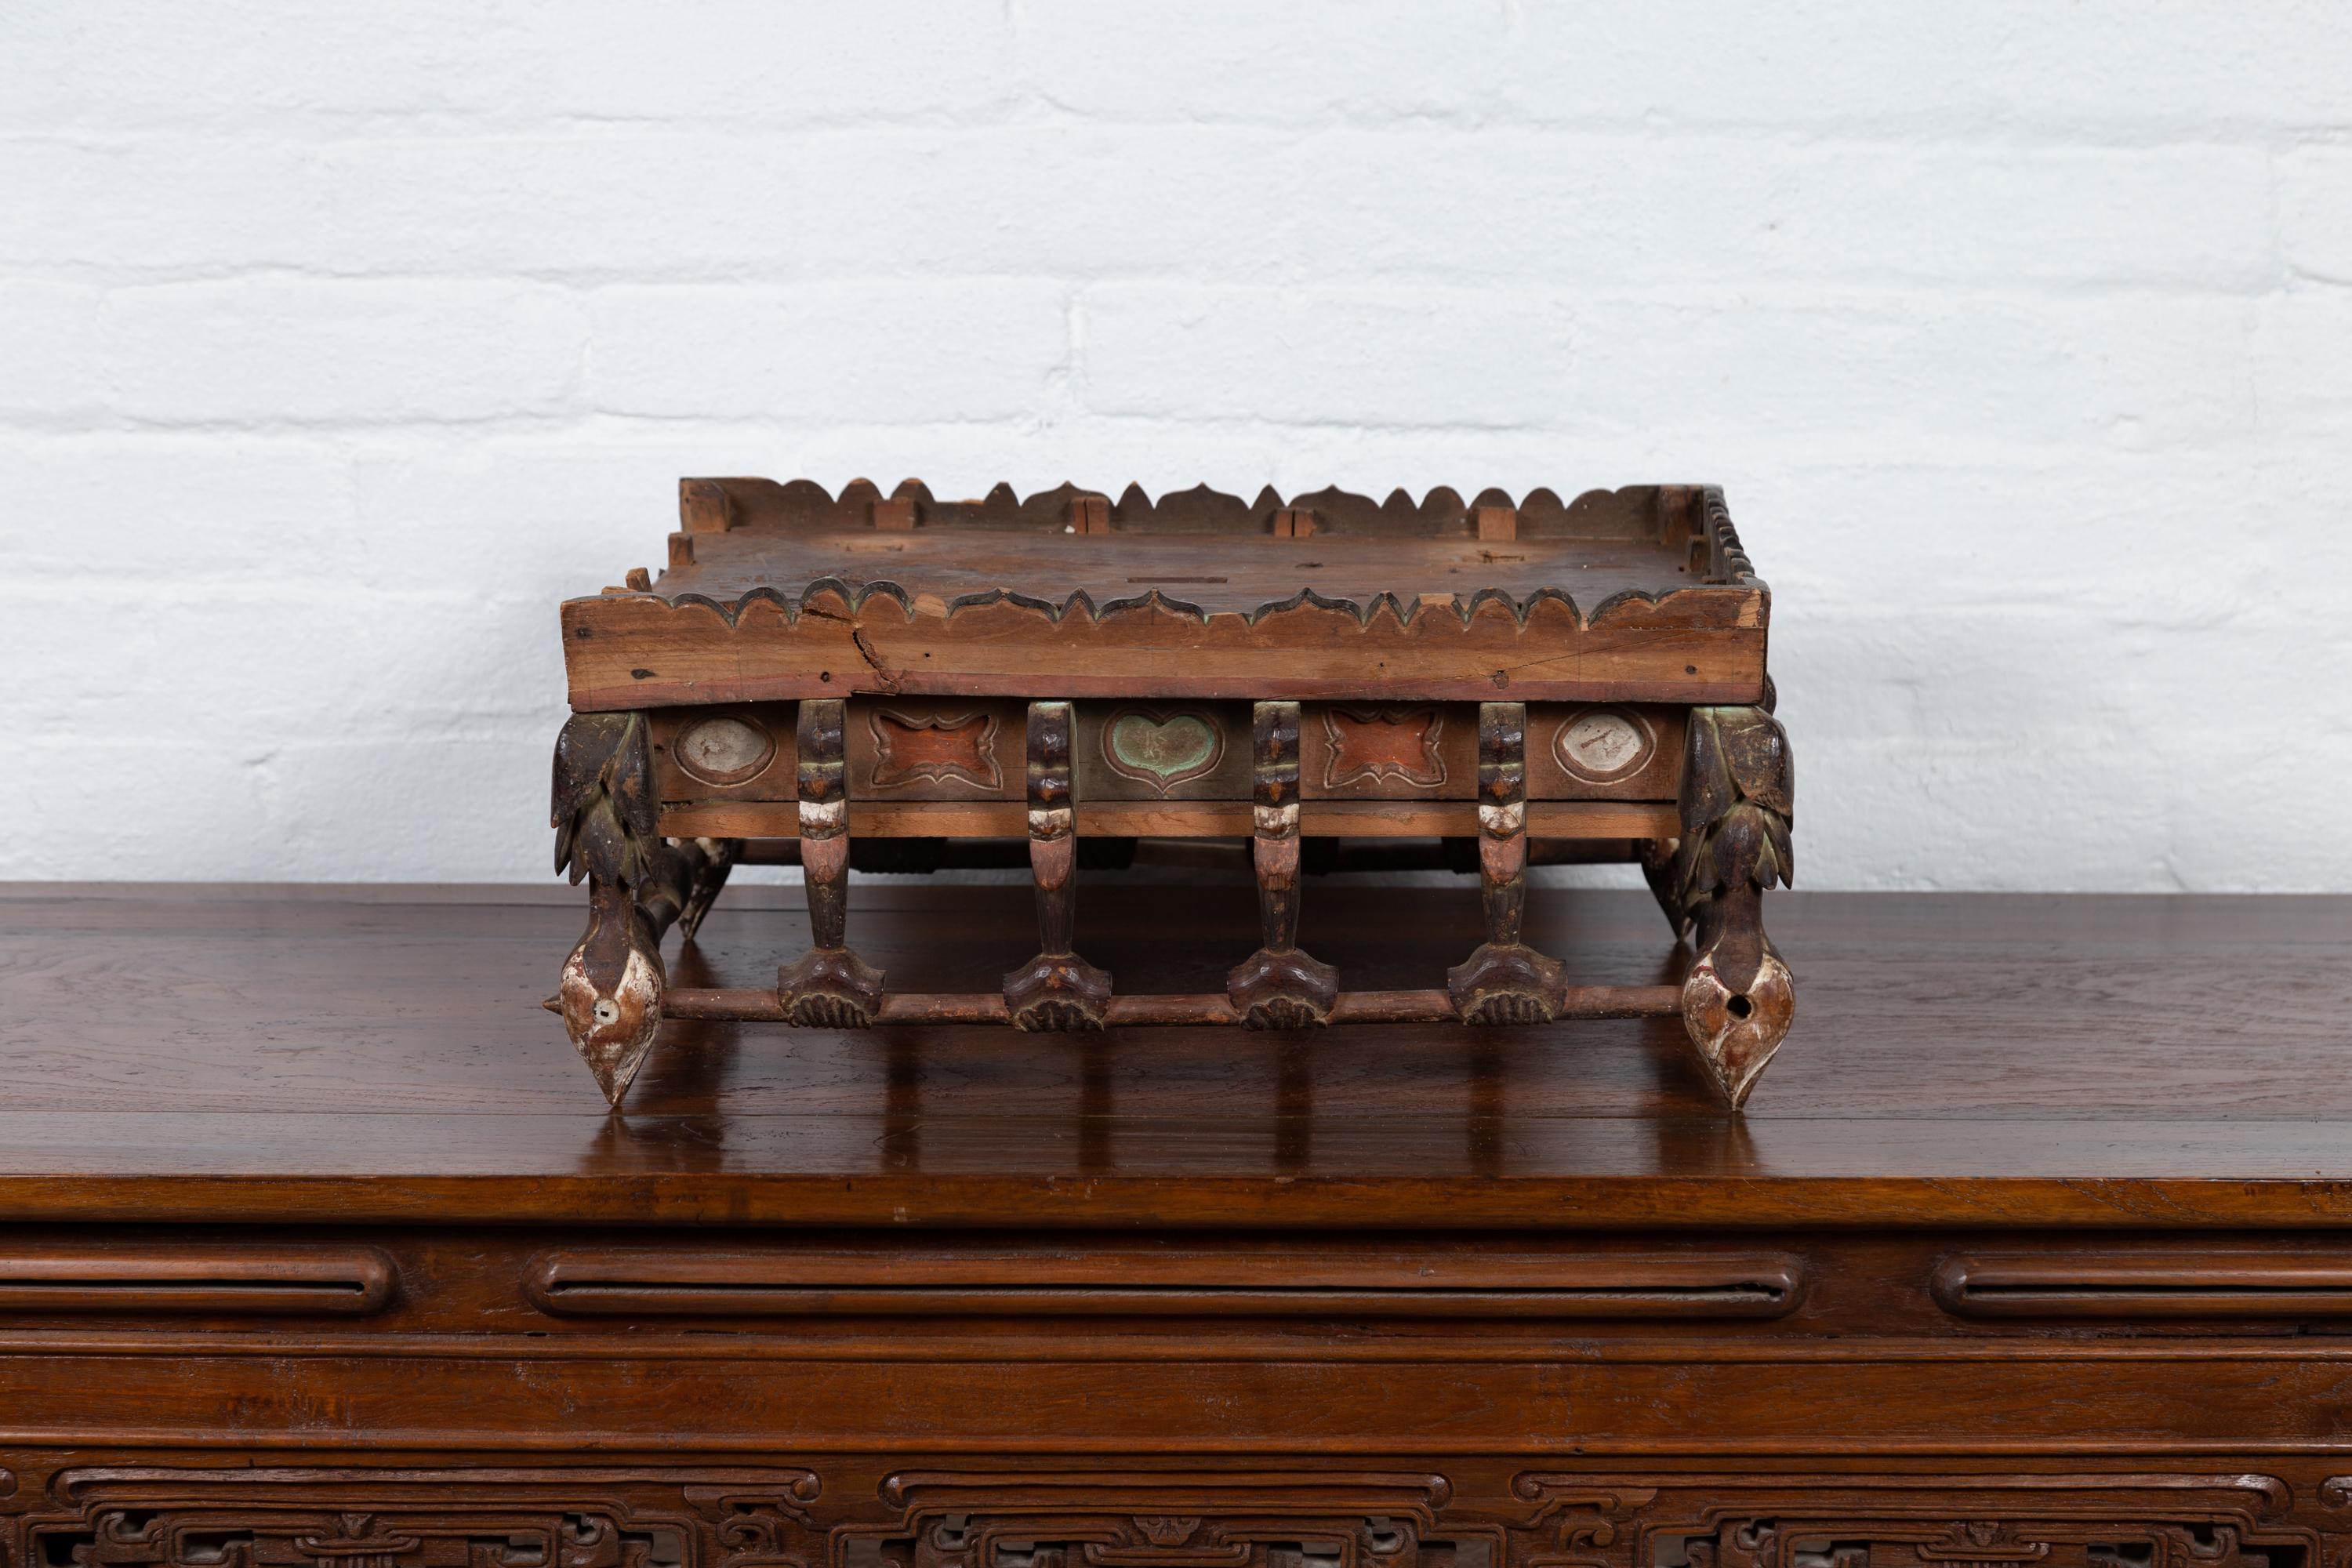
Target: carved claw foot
[1056,992]
[1278,987]
[1505,981]
[1738,1030]
[830,988]
[1283,990]
[827,987]
[1056,989]
[1508,983]
[611,993]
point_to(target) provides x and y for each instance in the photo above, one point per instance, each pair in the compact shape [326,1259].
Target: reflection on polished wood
[2036,1249]
[2163,1062]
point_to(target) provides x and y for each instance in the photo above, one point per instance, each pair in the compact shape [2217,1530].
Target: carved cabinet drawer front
[1045,1280]
[2144,1284]
[223,1280]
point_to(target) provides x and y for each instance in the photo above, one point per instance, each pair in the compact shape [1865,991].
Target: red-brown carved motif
[909,749]
[1395,745]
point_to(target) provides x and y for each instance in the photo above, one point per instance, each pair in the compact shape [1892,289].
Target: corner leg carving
[827,987]
[1505,981]
[1056,989]
[1279,987]
[1738,785]
[1657,856]
[604,817]
[718,858]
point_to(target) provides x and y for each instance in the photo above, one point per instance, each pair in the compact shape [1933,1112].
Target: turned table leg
[827,987]
[1505,981]
[1056,989]
[603,814]
[1739,998]
[1278,987]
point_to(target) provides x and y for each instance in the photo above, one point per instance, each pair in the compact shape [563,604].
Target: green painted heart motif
[1162,750]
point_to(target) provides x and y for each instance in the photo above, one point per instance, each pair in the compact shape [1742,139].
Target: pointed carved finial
[1739,793]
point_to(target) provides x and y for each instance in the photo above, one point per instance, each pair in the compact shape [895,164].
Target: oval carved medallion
[725,751]
[1601,745]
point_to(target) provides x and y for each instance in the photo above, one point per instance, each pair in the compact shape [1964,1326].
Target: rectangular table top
[356,1055]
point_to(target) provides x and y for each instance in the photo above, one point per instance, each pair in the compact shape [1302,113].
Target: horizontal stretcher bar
[748,1005]
[1176,820]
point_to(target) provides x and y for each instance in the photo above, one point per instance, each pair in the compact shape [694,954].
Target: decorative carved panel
[1603,745]
[864,1515]
[1161,751]
[728,749]
[1387,750]
[1608,750]
[1162,748]
[935,747]
[916,749]
[2131,1520]
[736,751]
[1151,1519]
[573,1518]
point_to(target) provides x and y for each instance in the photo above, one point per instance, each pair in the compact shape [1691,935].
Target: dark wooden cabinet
[316,1251]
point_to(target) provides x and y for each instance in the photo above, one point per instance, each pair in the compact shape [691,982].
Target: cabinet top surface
[318,1054]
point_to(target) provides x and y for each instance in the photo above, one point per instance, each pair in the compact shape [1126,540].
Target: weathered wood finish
[1739,791]
[940,750]
[1505,981]
[1183,819]
[314,1253]
[1279,987]
[603,814]
[827,986]
[1391,651]
[783,592]
[1057,989]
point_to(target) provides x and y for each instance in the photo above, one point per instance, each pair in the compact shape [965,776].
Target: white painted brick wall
[337,343]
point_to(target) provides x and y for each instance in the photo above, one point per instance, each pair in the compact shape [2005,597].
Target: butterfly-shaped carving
[910,749]
[1384,744]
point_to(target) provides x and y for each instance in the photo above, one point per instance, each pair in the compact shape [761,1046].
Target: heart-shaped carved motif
[1162,749]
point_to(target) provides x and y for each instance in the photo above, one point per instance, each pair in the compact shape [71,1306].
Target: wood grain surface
[382,1053]
[1209,573]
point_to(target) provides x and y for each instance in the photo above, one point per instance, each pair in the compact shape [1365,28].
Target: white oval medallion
[725,751]
[1601,745]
